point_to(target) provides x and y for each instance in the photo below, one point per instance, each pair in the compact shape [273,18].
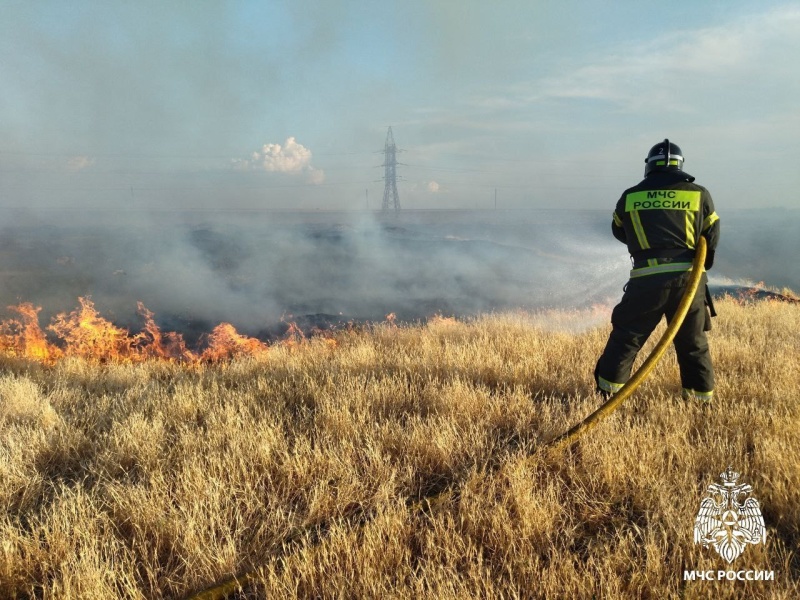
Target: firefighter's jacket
[661,220]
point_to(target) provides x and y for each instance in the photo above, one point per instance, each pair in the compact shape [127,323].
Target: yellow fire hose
[672,329]
[232,584]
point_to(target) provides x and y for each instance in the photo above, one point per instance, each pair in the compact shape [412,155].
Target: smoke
[759,246]
[259,269]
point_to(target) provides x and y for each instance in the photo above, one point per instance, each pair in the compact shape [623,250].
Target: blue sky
[199,105]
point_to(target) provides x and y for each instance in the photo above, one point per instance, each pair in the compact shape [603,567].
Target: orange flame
[224,342]
[85,333]
[293,336]
[24,337]
[153,343]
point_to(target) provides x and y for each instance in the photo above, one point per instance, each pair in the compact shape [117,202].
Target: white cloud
[79,163]
[316,176]
[667,73]
[290,157]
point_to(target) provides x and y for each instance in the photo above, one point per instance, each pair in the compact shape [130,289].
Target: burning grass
[142,478]
[84,333]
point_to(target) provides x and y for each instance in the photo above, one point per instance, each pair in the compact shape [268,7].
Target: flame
[752,292]
[293,336]
[224,342]
[24,337]
[86,334]
[153,343]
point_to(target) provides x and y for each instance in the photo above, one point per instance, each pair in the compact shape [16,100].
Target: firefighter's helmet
[664,155]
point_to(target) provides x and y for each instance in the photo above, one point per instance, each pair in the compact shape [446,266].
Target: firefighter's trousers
[644,302]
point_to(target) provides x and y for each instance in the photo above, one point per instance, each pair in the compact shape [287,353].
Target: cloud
[291,157]
[657,75]
[79,163]
[316,176]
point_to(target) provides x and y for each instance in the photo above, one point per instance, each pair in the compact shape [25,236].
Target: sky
[240,106]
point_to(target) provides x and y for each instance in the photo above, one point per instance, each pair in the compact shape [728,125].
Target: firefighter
[660,219]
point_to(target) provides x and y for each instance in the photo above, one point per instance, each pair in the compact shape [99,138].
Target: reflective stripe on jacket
[664,214]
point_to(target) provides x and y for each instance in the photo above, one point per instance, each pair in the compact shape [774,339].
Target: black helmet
[664,155]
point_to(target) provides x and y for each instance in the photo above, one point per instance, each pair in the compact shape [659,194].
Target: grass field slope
[156,479]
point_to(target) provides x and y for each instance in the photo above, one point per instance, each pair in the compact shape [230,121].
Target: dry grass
[154,481]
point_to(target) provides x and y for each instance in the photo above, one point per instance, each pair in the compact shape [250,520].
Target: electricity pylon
[390,197]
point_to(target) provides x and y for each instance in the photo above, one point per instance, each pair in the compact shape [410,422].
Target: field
[304,466]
